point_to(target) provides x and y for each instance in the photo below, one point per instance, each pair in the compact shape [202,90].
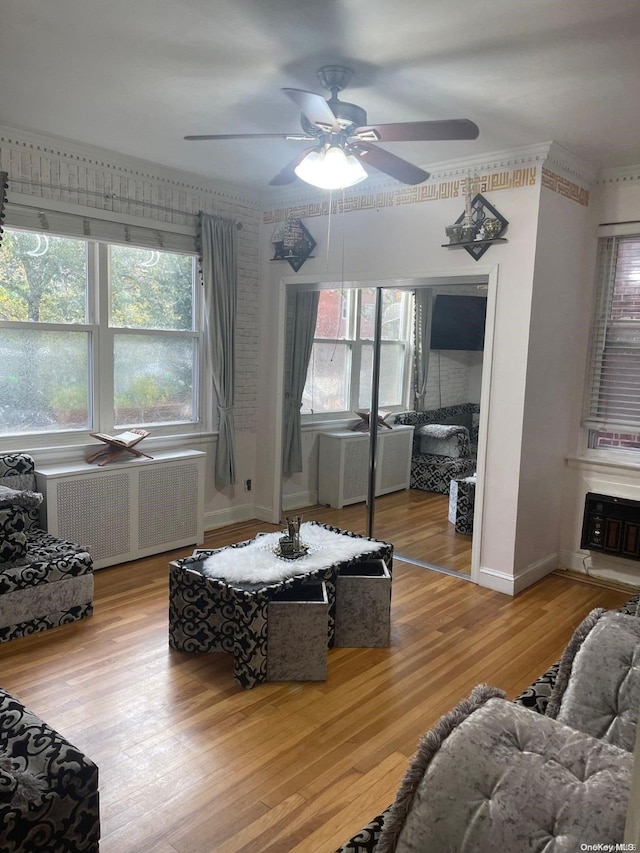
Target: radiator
[611,525]
[126,510]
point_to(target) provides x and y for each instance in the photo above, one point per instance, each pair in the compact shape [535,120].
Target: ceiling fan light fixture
[330,168]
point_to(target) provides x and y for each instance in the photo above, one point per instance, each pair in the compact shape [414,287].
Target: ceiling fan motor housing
[348,115]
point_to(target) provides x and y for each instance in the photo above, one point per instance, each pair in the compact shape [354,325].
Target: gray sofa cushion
[598,686]
[494,776]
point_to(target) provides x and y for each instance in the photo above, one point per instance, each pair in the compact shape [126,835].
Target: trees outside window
[95,336]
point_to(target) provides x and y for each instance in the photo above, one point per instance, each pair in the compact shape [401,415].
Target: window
[612,407]
[95,336]
[341,365]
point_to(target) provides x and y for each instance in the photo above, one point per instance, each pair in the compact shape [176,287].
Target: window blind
[103,227]
[612,400]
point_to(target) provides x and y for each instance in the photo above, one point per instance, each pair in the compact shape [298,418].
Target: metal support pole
[373,413]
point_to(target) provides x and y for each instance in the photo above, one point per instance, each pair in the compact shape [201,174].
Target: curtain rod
[112,196]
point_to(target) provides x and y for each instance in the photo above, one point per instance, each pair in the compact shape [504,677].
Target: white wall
[398,234]
[559,331]
[617,200]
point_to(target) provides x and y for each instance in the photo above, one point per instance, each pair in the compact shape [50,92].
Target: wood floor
[415,521]
[191,763]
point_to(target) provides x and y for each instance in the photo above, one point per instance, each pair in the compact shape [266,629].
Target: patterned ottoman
[435,474]
[209,613]
[462,496]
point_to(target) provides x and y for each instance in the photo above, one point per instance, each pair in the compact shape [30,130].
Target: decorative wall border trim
[504,180]
[564,187]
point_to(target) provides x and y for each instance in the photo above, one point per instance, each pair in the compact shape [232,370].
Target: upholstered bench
[44,581]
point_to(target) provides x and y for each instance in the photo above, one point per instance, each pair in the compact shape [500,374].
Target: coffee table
[211,614]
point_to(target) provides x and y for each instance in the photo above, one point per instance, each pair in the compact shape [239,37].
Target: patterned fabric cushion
[47,560]
[13,541]
[18,786]
[16,465]
[65,818]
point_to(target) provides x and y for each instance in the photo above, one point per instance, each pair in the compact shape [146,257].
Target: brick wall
[618,440]
[448,382]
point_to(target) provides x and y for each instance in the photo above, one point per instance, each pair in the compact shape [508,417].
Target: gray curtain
[217,242]
[422,331]
[302,327]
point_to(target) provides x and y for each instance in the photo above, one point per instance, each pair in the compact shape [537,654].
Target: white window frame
[101,349]
[354,342]
[600,323]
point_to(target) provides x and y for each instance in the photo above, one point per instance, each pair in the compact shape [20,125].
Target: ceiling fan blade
[288,175]
[315,108]
[419,131]
[295,136]
[388,163]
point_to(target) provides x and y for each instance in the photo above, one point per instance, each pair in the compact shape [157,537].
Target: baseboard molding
[298,500]
[233,515]
[603,567]
[513,584]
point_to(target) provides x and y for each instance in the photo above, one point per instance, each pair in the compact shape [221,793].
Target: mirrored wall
[416,351]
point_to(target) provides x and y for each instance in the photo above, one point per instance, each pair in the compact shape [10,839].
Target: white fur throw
[256,562]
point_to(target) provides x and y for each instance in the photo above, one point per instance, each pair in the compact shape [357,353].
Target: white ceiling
[135,76]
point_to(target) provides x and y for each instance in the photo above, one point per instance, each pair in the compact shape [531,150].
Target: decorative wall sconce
[478,227]
[292,243]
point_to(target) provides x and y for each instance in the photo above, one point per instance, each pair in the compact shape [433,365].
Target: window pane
[44,381]
[151,289]
[393,314]
[43,279]
[154,378]
[367,314]
[327,386]
[391,375]
[333,314]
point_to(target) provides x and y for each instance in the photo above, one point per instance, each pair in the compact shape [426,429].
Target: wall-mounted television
[458,322]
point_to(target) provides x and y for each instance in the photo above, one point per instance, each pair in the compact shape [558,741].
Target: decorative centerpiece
[289,546]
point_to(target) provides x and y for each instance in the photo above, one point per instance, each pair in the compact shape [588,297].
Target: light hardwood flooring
[414,520]
[191,763]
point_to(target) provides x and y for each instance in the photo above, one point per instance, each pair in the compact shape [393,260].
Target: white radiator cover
[343,464]
[127,509]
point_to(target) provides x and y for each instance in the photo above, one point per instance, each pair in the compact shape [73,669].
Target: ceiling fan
[342,138]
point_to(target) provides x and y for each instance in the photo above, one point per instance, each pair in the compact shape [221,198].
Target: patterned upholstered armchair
[444,445]
[48,789]
[44,581]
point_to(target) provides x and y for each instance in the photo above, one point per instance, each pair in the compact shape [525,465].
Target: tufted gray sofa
[575,725]
[44,581]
